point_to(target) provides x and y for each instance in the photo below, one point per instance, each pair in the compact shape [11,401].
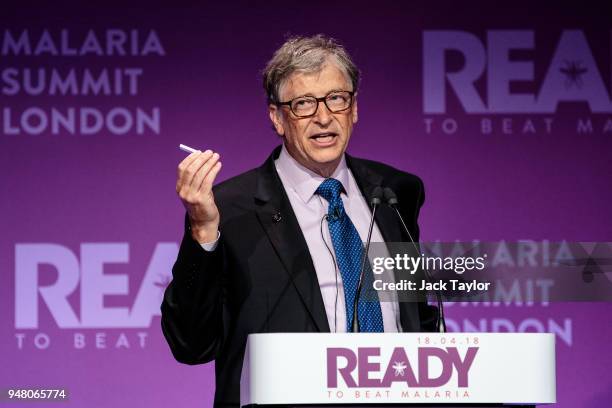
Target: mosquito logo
[573,70]
[399,367]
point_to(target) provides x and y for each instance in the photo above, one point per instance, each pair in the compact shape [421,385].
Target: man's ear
[275,116]
[354,110]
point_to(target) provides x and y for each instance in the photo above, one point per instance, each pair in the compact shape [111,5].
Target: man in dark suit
[274,249]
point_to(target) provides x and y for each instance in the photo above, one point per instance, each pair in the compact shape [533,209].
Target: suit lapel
[278,220]
[385,216]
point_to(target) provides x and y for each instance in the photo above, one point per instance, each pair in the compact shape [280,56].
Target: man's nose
[323,116]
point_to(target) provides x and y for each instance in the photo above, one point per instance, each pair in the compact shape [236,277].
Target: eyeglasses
[305,106]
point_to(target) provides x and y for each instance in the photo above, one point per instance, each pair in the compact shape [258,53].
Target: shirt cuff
[211,246]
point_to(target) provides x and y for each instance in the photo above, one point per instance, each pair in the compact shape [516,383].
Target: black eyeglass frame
[319,100]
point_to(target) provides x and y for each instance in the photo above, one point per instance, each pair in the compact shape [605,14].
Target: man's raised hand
[196,175]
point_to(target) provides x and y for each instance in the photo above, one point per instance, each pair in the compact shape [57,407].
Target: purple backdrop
[81,203]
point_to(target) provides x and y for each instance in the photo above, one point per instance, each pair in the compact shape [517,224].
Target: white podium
[399,369]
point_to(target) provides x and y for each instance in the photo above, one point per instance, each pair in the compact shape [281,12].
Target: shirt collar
[304,181]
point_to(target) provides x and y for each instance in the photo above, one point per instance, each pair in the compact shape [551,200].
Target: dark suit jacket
[261,277]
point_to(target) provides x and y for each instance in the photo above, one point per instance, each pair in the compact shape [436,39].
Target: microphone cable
[324,218]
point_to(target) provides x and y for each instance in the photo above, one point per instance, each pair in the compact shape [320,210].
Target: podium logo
[366,368]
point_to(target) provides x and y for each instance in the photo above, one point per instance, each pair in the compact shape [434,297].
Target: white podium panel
[399,368]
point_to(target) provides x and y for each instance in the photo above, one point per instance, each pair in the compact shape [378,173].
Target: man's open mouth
[324,137]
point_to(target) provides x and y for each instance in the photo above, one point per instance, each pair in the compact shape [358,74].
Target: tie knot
[330,189]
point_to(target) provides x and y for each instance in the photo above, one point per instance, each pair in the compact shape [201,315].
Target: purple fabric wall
[104,197]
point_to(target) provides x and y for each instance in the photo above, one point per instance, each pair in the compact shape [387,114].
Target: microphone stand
[377,194]
[391,199]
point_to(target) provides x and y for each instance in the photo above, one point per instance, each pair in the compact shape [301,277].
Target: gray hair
[305,54]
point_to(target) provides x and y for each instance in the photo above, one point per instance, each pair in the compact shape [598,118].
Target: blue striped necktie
[349,251]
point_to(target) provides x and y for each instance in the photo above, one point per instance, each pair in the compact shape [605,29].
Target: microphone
[336,213]
[375,201]
[391,199]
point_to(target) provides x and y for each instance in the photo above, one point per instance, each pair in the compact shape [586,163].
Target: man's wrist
[204,235]
[211,246]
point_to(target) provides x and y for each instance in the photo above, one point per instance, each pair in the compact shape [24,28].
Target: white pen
[188,149]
